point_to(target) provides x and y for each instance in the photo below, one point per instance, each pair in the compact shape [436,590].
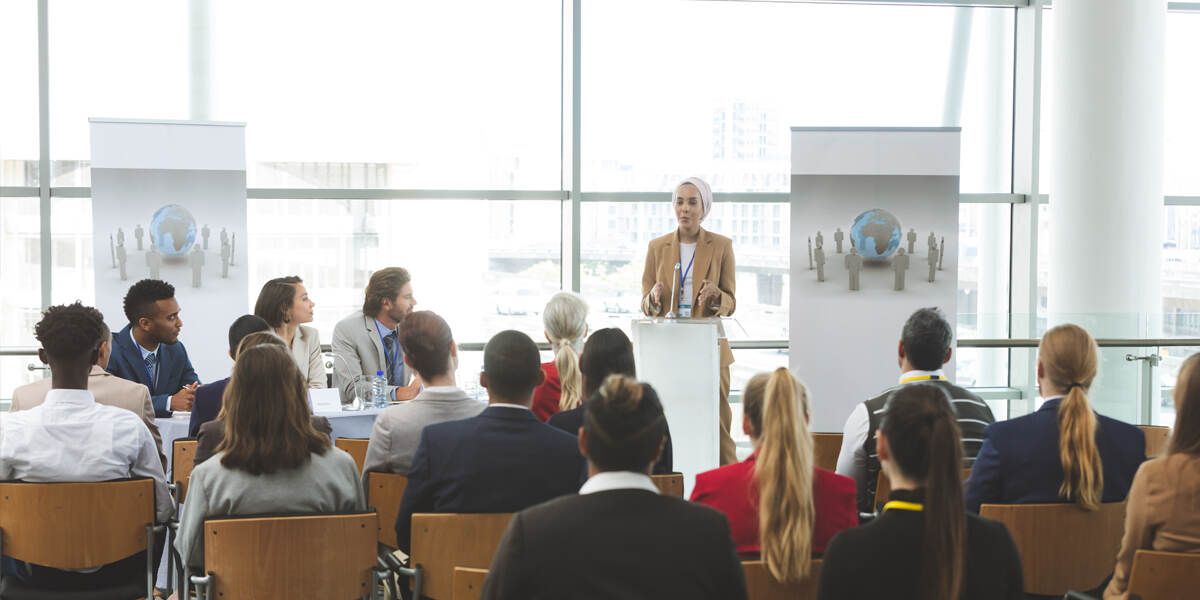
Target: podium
[681,359]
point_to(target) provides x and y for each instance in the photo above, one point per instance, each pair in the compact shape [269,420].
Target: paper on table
[324,400]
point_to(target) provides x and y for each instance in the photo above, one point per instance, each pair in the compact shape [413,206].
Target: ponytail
[565,320]
[1069,358]
[567,362]
[784,476]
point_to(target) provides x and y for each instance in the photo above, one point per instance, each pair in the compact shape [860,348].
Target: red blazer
[731,490]
[546,396]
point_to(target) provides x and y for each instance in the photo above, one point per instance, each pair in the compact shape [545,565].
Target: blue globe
[173,230]
[876,234]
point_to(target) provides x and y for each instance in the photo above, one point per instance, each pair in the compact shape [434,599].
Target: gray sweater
[397,429]
[327,484]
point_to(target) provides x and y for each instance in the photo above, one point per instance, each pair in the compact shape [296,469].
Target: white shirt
[507,405]
[618,480]
[70,437]
[687,255]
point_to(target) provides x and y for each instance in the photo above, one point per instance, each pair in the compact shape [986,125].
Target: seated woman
[777,490]
[924,544]
[271,461]
[284,304]
[1161,511]
[607,352]
[1063,452]
[565,320]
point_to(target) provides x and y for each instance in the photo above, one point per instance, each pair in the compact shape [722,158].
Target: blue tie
[389,356]
[152,368]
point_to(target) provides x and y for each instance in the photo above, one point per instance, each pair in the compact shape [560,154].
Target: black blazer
[207,405]
[571,420]
[502,461]
[174,369]
[625,543]
[882,559]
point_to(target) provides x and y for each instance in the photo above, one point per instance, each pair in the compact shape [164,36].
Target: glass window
[1181,272]
[19,102]
[1182,94]
[20,253]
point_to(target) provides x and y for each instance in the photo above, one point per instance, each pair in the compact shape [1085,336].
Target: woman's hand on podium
[656,295]
[708,293]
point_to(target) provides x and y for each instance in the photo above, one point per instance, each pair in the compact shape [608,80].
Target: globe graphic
[173,230]
[876,234]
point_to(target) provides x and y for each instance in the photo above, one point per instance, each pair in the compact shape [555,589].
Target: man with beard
[367,342]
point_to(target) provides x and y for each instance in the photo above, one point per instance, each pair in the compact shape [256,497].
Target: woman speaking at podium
[689,274]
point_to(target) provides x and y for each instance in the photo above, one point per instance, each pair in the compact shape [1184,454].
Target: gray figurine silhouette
[854,262]
[226,252]
[810,256]
[225,236]
[196,261]
[120,236]
[820,240]
[204,233]
[900,266]
[233,249]
[138,232]
[933,261]
[153,261]
[912,240]
[819,254]
[112,251]
[941,252]
[931,241]
[122,258]
[838,236]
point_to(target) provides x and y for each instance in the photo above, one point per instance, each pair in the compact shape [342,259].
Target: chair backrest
[183,460]
[441,542]
[1164,575]
[1156,439]
[384,492]
[356,447]
[826,447]
[760,585]
[468,583]
[57,525]
[670,484]
[322,557]
[1062,546]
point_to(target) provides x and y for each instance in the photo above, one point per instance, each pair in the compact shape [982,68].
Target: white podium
[681,359]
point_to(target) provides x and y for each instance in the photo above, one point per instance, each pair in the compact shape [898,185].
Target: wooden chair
[1156,439]
[56,525]
[183,460]
[1164,575]
[321,557]
[468,583]
[1062,547]
[356,447]
[826,447]
[669,485]
[760,585]
[441,542]
[384,492]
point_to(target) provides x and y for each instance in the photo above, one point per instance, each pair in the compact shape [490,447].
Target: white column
[200,60]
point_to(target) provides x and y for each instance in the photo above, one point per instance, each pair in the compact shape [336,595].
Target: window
[19,101]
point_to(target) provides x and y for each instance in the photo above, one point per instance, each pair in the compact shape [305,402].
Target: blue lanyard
[683,274]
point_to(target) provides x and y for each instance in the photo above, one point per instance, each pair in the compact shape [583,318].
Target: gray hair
[565,319]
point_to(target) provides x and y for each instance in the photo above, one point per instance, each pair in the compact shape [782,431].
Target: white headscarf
[706,197]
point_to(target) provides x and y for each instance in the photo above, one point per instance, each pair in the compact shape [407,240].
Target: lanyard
[921,378]
[902,505]
[683,274]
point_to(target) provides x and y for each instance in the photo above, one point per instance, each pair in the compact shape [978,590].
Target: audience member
[208,396]
[148,350]
[503,460]
[1063,452]
[429,349]
[565,320]
[1161,513]
[926,343]
[71,437]
[368,342]
[607,352]
[272,461]
[924,545]
[106,388]
[284,304]
[779,504]
[617,538]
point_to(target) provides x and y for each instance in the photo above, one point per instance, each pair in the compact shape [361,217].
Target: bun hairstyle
[1070,358]
[565,320]
[624,425]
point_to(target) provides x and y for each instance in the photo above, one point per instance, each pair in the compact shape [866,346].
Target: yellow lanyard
[921,378]
[902,505]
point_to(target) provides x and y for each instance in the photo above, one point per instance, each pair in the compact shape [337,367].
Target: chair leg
[150,562]
[203,586]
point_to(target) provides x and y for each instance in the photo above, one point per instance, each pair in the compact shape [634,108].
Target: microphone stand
[674,293]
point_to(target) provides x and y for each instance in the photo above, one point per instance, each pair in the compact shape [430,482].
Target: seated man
[106,388]
[368,341]
[148,350]
[429,350]
[618,538]
[70,437]
[501,461]
[926,343]
[208,396]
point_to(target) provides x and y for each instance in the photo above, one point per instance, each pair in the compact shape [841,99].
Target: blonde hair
[1069,359]
[565,320]
[777,406]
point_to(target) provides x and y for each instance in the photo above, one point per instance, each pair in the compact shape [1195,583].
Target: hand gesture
[656,294]
[182,400]
[410,391]
[708,293]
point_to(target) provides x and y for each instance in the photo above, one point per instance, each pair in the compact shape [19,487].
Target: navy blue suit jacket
[174,369]
[502,461]
[207,405]
[1019,464]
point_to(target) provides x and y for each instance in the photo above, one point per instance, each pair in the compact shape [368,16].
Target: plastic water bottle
[379,390]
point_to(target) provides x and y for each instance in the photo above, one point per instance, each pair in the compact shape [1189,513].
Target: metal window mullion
[574,218]
[44,171]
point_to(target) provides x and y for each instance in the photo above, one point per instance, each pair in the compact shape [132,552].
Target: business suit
[1019,463]
[212,434]
[174,369]
[571,420]
[713,261]
[397,429]
[501,461]
[306,349]
[623,543]
[207,405]
[107,389]
[358,351]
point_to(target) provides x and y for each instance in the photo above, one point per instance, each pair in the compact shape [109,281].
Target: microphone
[674,293]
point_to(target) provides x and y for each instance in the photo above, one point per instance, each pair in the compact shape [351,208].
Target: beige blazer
[1162,513]
[109,390]
[714,262]
[306,349]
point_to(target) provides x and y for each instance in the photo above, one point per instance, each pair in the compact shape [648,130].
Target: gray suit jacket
[108,389]
[357,351]
[398,428]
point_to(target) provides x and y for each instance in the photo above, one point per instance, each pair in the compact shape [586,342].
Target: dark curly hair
[139,301]
[68,331]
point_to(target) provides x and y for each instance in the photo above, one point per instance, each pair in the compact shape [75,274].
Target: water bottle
[379,390]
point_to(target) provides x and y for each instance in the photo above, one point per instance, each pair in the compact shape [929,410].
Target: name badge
[685,311]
